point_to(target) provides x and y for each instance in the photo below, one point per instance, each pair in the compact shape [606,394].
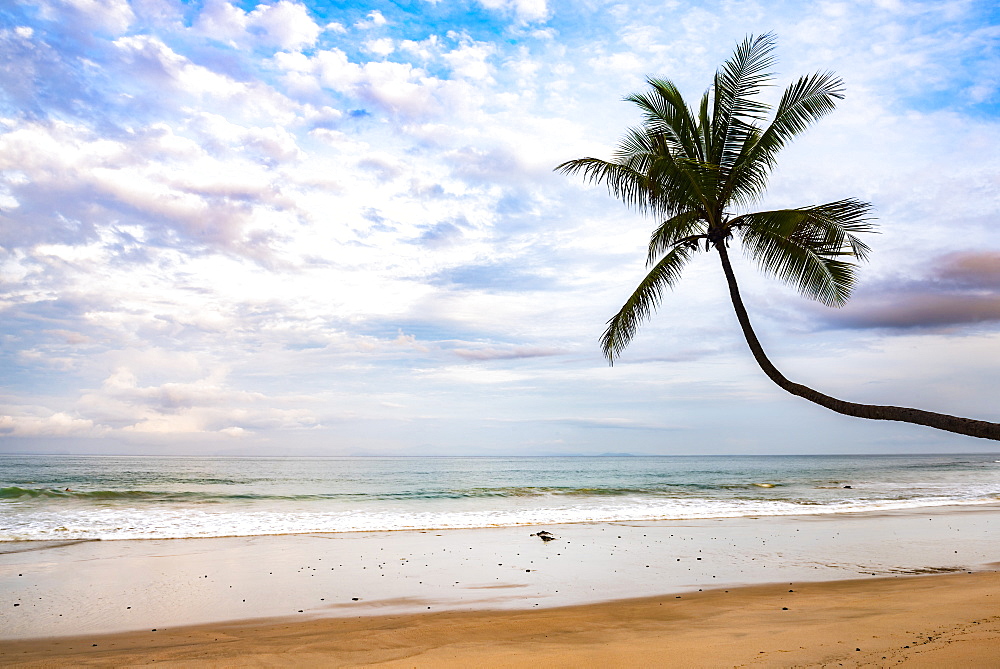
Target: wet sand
[919,621]
[492,596]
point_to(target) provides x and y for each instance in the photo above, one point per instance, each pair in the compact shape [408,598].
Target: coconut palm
[695,169]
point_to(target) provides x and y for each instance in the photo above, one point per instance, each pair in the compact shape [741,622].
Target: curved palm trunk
[972,428]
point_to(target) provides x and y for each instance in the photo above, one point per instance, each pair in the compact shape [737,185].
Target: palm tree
[694,169]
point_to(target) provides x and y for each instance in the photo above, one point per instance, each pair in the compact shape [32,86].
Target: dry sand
[917,621]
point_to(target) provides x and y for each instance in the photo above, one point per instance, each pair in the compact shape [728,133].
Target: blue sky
[333,228]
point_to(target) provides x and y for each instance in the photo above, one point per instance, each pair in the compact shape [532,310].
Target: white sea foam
[160,498]
[171,523]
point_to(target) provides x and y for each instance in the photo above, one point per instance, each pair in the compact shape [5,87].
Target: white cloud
[374,19]
[625,63]
[223,199]
[283,25]
[527,11]
[153,57]
[424,49]
[108,16]
[380,47]
[198,226]
[221,20]
[204,405]
[58,424]
[397,87]
[469,61]
[286,25]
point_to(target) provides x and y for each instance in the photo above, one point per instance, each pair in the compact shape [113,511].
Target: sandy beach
[919,621]
[765,591]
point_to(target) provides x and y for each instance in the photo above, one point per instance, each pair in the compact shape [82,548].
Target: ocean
[146,497]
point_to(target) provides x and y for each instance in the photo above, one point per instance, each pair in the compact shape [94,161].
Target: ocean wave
[177,523]
[126,498]
[17,493]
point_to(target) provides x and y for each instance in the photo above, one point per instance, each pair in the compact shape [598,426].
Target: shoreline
[97,587]
[971,506]
[937,620]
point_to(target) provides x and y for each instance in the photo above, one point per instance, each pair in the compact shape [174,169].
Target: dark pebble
[784,608]
[354,599]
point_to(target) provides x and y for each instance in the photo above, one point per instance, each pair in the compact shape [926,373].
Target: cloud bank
[324,228]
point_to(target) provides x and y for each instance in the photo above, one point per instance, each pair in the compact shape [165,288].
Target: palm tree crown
[693,169]
[696,170]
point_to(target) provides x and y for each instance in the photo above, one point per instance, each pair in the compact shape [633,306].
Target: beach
[926,621]
[677,561]
[778,591]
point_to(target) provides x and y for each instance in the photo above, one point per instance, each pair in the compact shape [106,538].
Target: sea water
[144,497]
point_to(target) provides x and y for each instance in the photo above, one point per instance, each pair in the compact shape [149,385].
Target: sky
[334,228]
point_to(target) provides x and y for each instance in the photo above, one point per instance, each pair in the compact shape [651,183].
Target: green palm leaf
[806,247]
[803,103]
[735,85]
[666,115]
[644,300]
[688,226]
[624,182]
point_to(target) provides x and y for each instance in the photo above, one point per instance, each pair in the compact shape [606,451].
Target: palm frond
[665,113]
[816,277]
[675,181]
[807,247]
[748,179]
[735,84]
[802,104]
[687,225]
[627,184]
[705,126]
[830,227]
[742,76]
[678,184]
[644,300]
